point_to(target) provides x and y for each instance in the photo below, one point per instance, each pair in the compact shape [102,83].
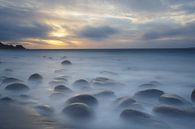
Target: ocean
[111,74]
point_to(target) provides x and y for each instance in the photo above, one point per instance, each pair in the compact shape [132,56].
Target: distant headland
[11,47]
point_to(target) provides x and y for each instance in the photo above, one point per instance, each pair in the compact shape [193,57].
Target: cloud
[182,31]
[97,33]
[17,24]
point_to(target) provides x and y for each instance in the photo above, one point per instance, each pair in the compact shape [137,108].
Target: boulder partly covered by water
[17,87]
[124,102]
[9,80]
[66,62]
[83,98]
[134,115]
[105,94]
[62,88]
[35,77]
[149,93]
[193,95]
[173,111]
[6,100]
[78,111]
[81,84]
[103,81]
[172,99]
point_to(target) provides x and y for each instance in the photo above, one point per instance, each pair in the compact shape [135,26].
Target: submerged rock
[7,100]
[81,84]
[78,111]
[17,87]
[35,77]
[10,80]
[173,111]
[172,99]
[83,98]
[124,102]
[103,81]
[62,88]
[66,62]
[105,94]
[45,110]
[149,93]
[193,95]
[134,115]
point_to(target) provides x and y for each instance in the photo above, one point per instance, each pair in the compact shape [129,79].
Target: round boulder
[62,88]
[83,98]
[78,111]
[105,94]
[10,80]
[66,62]
[172,99]
[125,102]
[149,93]
[103,81]
[35,77]
[6,100]
[81,84]
[173,111]
[193,95]
[134,115]
[17,87]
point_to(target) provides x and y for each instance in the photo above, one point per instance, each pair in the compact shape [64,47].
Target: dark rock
[103,81]
[124,102]
[10,80]
[62,88]
[173,111]
[16,47]
[35,77]
[7,100]
[83,98]
[81,84]
[78,111]
[134,115]
[66,62]
[193,95]
[105,94]
[149,93]
[172,99]
[17,87]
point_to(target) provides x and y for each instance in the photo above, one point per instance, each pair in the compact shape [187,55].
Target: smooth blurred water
[173,69]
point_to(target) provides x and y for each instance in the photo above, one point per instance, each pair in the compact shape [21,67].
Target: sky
[61,24]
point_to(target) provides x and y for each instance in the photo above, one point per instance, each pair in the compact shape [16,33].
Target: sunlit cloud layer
[62,24]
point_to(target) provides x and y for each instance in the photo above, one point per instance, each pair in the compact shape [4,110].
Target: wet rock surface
[193,95]
[66,62]
[83,98]
[62,88]
[17,87]
[149,93]
[35,77]
[78,111]
[81,84]
[172,99]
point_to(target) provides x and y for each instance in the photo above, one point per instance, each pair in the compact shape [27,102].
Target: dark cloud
[17,24]
[183,31]
[97,33]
